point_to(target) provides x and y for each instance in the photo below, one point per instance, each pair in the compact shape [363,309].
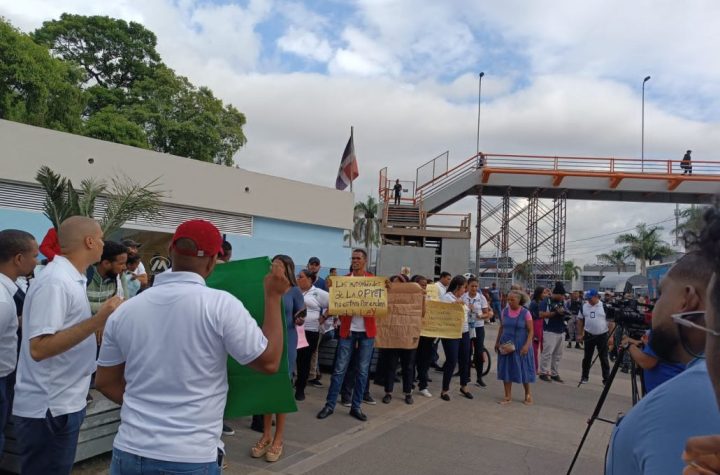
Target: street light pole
[642,131]
[477,148]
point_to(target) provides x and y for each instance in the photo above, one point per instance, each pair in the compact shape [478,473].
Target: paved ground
[433,436]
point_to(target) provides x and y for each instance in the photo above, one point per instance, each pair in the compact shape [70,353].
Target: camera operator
[655,369]
[651,437]
[593,330]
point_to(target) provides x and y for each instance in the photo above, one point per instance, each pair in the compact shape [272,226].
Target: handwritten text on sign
[443,319]
[365,296]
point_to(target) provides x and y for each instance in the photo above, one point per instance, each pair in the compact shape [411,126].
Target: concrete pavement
[433,436]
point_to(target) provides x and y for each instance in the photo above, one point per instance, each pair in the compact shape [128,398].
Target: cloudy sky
[561,77]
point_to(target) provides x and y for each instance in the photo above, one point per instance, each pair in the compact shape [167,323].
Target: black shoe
[299,395]
[467,394]
[368,399]
[569,345]
[227,430]
[258,425]
[387,398]
[578,346]
[357,414]
[480,383]
[324,412]
[316,383]
[557,378]
[409,399]
[445,397]
[429,380]
[545,378]
[585,380]
[345,402]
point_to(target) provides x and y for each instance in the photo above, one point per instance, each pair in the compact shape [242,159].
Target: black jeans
[479,342]
[407,363]
[304,356]
[601,343]
[457,352]
[423,357]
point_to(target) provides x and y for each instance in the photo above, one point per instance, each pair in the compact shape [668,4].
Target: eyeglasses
[690,319]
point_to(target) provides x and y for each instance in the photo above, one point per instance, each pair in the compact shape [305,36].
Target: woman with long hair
[478,313]
[316,303]
[294,305]
[457,350]
[515,360]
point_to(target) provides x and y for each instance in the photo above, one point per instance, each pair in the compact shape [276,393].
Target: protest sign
[432,291]
[365,296]
[443,319]
[249,391]
[401,327]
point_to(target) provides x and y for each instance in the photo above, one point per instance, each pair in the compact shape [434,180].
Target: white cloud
[306,44]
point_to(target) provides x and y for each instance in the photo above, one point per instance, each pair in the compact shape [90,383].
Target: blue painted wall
[270,237]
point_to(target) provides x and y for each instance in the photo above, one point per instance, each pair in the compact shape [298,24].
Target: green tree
[113,53]
[367,223]
[570,271]
[127,84]
[615,258]
[645,245]
[691,224]
[36,88]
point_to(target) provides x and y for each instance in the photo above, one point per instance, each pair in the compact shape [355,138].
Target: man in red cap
[164,358]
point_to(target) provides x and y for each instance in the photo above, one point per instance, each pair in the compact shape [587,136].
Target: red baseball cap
[203,233]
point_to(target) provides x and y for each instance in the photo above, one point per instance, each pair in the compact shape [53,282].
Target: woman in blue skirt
[515,360]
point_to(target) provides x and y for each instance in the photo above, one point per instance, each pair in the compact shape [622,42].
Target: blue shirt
[555,323]
[320,284]
[495,295]
[662,371]
[651,438]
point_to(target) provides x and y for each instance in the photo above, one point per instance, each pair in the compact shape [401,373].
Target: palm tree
[616,258]
[125,199]
[645,245]
[367,223]
[570,271]
[691,224]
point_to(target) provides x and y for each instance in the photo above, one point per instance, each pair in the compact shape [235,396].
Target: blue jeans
[345,350]
[125,463]
[48,445]
[496,310]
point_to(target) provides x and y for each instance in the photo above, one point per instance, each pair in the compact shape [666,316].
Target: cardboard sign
[401,328]
[443,319]
[365,296]
[432,291]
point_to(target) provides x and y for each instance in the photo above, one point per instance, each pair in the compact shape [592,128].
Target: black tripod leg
[598,408]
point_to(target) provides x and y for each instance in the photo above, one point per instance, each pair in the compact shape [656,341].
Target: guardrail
[702,170]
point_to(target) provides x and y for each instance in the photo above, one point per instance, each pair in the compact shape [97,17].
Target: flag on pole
[348,170]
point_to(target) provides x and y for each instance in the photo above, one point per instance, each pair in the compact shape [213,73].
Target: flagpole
[351,189]
[352,139]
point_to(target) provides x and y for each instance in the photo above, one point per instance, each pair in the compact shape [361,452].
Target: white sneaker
[425,392]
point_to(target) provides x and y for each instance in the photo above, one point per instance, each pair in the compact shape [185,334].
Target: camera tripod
[635,389]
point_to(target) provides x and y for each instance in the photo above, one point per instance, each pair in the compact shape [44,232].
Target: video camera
[626,313]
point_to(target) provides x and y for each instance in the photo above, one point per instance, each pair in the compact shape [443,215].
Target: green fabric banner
[251,392]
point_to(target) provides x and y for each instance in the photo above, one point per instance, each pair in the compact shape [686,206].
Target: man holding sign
[357,333]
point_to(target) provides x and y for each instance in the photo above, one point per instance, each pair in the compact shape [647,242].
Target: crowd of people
[91,317]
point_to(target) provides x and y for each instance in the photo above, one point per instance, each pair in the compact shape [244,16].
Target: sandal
[505,401]
[260,448]
[273,453]
[528,401]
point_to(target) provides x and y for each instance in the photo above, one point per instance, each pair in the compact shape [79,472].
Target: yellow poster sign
[443,319]
[365,296]
[432,292]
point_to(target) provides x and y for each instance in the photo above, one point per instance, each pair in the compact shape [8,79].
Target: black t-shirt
[556,322]
[397,188]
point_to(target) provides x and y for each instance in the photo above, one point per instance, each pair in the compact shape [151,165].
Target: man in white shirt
[57,354]
[593,331]
[18,256]
[173,394]
[442,284]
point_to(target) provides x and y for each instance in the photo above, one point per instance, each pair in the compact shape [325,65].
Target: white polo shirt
[174,339]
[8,326]
[594,318]
[476,304]
[56,301]
[316,300]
